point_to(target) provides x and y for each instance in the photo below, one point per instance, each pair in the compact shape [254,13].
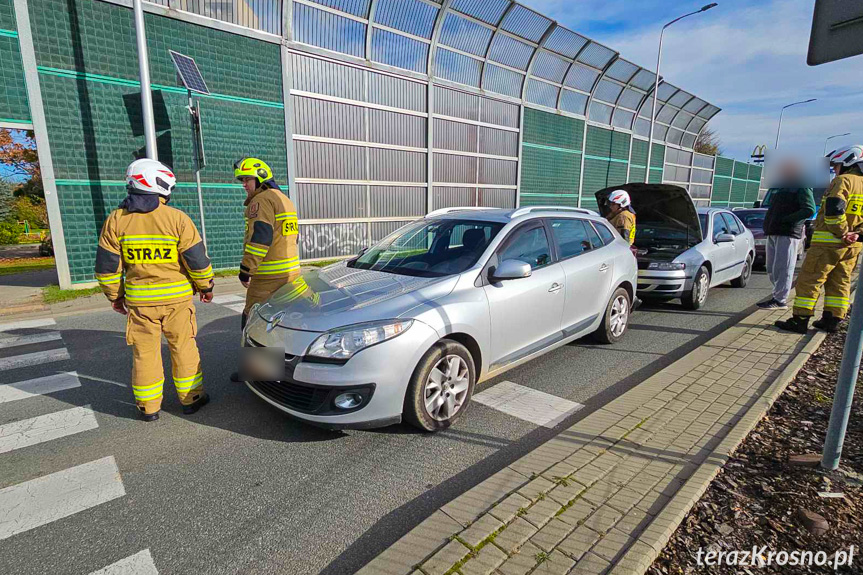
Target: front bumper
[380,373]
[663,284]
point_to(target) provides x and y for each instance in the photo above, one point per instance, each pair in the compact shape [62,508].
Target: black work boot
[828,322]
[203,400]
[797,324]
[149,416]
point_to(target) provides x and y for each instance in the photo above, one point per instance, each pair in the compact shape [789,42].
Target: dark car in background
[753,219]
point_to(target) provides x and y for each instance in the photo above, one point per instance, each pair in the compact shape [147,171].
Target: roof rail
[443,211]
[527,210]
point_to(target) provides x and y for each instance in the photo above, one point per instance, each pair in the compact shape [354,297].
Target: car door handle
[603,268]
[555,287]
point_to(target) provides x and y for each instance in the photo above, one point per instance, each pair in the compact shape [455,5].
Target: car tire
[456,380]
[618,310]
[745,275]
[696,297]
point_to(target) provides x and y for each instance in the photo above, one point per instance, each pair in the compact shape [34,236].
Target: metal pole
[827,141]
[193,114]
[779,129]
[144,73]
[844,395]
[653,113]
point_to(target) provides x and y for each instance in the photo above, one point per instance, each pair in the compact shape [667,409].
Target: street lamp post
[832,137]
[779,130]
[656,84]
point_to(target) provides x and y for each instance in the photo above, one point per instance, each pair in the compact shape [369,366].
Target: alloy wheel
[619,316]
[702,286]
[446,387]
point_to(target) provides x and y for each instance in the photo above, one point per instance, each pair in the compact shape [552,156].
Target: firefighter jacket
[270,245]
[624,222]
[841,211]
[151,254]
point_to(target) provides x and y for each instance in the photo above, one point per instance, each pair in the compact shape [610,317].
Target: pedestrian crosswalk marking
[227,298]
[27,323]
[38,386]
[17,340]
[37,358]
[141,563]
[237,307]
[33,503]
[27,432]
[528,404]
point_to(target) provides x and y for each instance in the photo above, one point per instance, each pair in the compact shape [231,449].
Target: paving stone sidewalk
[605,495]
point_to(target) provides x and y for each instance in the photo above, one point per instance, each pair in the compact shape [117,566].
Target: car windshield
[752,220]
[430,248]
[703,219]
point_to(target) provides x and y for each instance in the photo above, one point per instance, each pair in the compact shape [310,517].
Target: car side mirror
[723,238]
[510,270]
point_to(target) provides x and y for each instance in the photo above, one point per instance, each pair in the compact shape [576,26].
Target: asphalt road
[238,488]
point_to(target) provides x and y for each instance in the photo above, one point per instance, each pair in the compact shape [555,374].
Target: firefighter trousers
[144,329]
[830,267]
[260,289]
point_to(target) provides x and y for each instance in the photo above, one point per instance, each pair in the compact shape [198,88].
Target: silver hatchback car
[406,329]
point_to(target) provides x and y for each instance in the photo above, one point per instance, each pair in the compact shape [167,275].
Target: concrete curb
[640,557]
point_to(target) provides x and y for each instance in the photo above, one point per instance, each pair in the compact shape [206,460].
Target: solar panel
[189,73]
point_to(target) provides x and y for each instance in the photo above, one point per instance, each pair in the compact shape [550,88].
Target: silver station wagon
[406,329]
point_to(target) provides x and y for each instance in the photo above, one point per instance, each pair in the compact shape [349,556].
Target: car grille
[293,395]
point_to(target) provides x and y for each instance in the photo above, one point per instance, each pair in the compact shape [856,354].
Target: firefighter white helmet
[148,176]
[621,198]
[847,156]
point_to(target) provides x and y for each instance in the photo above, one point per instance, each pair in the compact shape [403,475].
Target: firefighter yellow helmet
[252,168]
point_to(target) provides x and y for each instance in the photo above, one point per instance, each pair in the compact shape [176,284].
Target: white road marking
[39,501]
[38,386]
[227,298]
[237,307]
[99,379]
[141,563]
[46,321]
[16,340]
[528,404]
[35,430]
[37,358]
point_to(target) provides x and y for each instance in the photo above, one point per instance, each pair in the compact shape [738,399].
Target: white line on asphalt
[37,358]
[39,501]
[99,379]
[141,563]
[528,404]
[237,307]
[27,323]
[35,430]
[16,340]
[227,298]
[38,386]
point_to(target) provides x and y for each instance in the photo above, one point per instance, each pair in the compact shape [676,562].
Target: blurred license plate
[262,364]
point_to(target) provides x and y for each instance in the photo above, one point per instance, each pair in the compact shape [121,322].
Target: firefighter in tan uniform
[270,255]
[621,215]
[149,263]
[834,252]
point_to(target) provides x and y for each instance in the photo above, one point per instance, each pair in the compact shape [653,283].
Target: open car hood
[658,204]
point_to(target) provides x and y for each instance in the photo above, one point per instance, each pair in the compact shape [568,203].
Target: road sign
[837,31]
[189,74]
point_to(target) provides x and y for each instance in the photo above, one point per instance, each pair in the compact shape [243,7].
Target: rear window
[604,233]
[573,237]
[752,220]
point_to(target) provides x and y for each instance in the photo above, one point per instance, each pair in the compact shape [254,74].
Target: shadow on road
[36,279]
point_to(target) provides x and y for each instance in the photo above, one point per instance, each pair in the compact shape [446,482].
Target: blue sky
[748,58]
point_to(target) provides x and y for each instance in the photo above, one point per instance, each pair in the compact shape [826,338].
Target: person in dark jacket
[784,223]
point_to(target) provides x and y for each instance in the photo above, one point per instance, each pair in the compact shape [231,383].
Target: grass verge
[53,293]
[21,265]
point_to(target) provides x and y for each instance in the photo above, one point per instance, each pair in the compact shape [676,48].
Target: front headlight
[667,266]
[343,343]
